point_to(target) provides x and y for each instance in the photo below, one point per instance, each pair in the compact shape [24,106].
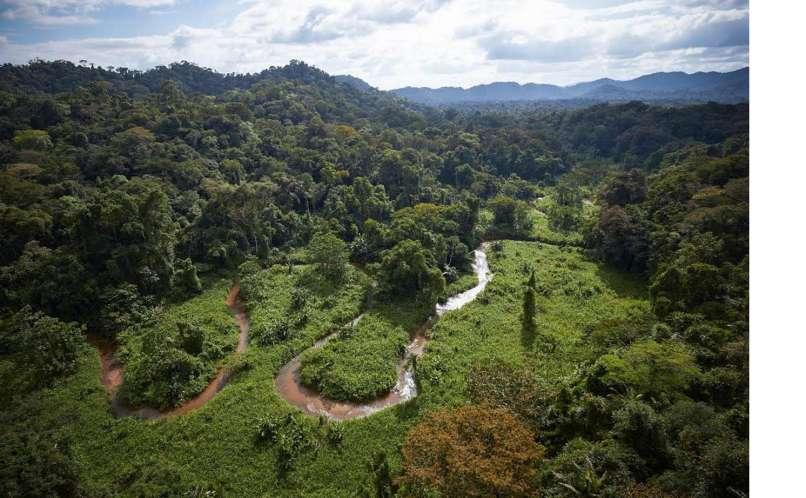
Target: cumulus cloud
[721,33]
[426,42]
[521,47]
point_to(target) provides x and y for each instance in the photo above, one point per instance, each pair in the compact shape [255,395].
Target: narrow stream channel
[292,390]
[288,381]
[112,371]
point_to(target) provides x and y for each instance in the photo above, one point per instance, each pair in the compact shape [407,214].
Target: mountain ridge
[730,86]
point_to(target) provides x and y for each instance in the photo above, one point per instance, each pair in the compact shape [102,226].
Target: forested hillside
[607,357]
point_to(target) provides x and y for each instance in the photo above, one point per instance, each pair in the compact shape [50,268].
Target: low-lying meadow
[219,446]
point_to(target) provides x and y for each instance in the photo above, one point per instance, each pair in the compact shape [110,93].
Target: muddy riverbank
[112,371]
[290,387]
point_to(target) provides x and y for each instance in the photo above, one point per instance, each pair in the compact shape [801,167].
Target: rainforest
[287,284]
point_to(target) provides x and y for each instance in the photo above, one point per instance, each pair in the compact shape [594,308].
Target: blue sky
[389,43]
[78,20]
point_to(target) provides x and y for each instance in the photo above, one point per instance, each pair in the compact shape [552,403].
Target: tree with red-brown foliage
[476,450]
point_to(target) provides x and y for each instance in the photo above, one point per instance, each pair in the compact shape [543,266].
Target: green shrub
[335,433]
[36,464]
[653,368]
[268,426]
[291,434]
[593,469]
[44,347]
[639,427]
[271,332]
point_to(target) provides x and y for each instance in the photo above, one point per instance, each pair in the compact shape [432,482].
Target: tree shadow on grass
[625,285]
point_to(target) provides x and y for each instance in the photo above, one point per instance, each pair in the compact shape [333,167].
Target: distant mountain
[675,86]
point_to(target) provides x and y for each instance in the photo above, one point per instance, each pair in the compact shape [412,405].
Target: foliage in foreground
[472,451]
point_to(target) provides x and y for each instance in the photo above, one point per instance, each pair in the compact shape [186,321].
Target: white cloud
[435,43]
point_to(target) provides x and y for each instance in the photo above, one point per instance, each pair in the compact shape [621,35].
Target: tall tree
[528,321]
[329,254]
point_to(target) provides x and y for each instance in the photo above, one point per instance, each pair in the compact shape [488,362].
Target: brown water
[112,371]
[288,381]
[309,400]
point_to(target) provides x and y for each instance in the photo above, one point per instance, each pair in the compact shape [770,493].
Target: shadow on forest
[626,285]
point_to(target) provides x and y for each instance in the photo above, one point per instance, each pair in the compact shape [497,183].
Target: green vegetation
[362,361]
[291,309]
[359,364]
[39,347]
[528,322]
[570,298]
[608,356]
[651,368]
[542,231]
[510,217]
[406,270]
[329,255]
[173,355]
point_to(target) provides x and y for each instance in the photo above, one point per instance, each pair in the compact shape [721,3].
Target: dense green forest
[607,357]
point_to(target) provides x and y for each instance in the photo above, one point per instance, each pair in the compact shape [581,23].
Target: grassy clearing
[543,233]
[290,311]
[572,298]
[216,444]
[361,363]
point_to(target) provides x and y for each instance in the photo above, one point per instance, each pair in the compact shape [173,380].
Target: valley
[287,284]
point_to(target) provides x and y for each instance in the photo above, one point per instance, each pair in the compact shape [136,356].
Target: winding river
[290,387]
[112,371]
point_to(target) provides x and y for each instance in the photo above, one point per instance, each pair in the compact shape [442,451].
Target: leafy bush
[267,428]
[44,347]
[190,337]
[186,278]
[335,433]
[595,469]
[638,426]
[272,332]
[35,464]
[663,369]
[291,434]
